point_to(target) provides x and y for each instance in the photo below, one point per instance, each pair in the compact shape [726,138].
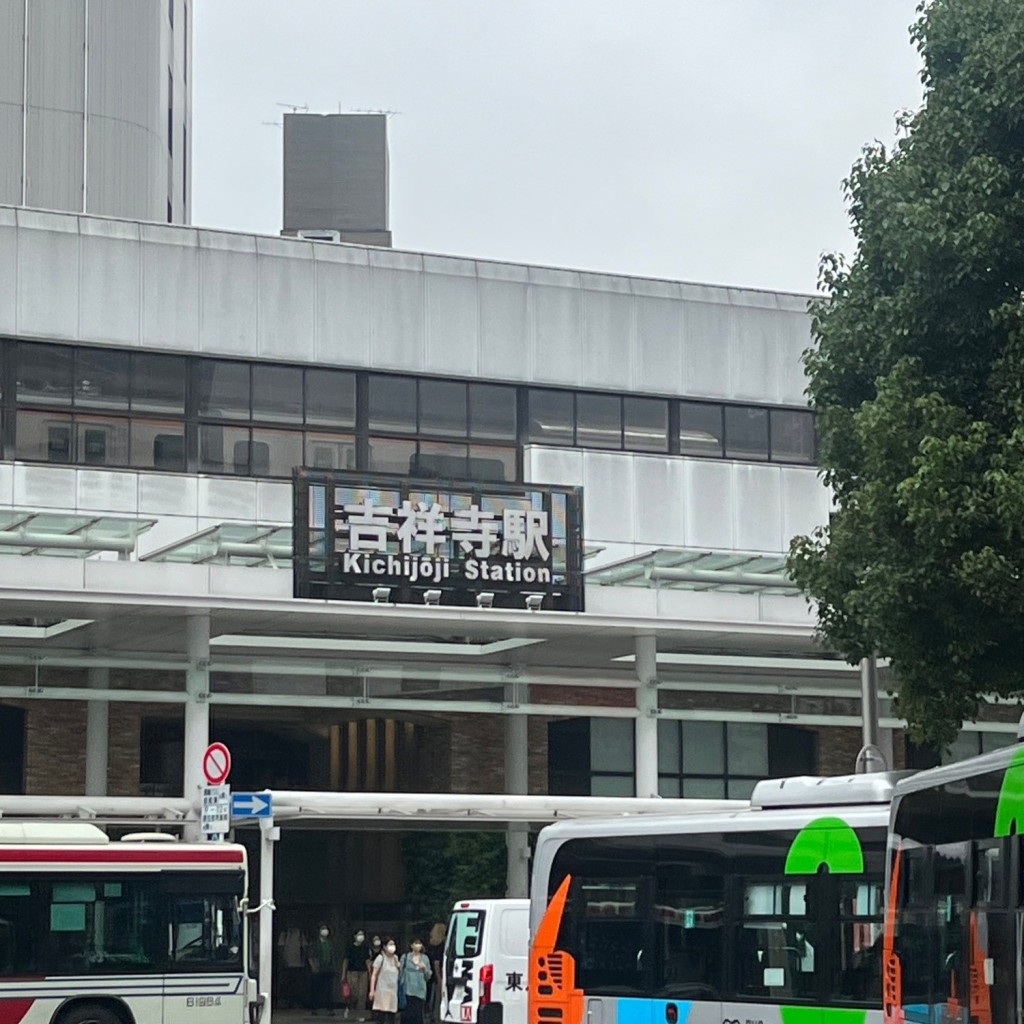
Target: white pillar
[97,735]
[197,707]
[269,835]
[646,716]
[517,781]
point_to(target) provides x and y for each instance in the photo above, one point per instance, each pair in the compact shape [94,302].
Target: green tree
[917,375]
[442,867]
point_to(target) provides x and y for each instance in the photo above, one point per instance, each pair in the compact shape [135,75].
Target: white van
[485,962]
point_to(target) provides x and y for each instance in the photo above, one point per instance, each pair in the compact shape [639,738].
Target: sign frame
[319,542]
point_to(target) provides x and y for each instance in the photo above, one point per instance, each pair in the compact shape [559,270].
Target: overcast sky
[700,140]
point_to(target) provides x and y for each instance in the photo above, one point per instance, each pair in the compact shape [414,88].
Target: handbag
[346,992]
[401,985]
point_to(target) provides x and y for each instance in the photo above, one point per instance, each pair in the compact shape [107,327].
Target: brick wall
[461,753]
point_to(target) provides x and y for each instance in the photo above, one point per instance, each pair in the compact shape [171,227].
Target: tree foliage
[917,375]
[442,867]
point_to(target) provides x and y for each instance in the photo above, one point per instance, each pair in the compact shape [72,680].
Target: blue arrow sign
[251,805]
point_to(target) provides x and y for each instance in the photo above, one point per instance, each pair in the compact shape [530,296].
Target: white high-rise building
[96,107]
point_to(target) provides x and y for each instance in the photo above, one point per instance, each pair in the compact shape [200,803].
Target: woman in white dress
[384,983]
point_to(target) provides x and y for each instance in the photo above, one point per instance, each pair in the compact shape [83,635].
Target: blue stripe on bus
[646,1011]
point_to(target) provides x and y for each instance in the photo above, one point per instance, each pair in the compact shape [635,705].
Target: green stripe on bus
[822,1015]
[1010,808]
[828,841]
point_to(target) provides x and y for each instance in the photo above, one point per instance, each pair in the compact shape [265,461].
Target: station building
[382,521]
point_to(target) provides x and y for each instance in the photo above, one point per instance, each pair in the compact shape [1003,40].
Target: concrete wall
[290,300]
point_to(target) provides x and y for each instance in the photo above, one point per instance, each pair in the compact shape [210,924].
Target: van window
[514,936]
[465,933]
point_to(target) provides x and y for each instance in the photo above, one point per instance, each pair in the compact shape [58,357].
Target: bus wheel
[89,1013]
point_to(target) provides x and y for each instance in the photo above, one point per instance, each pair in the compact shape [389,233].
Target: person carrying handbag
[384,978]
[415,973]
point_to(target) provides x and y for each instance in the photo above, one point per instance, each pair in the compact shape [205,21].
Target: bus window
[858,975]
[205,932]
[610,936]
[778,947]
[688,908]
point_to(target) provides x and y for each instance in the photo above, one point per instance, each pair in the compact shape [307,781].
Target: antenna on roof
[360,110]
[295,108]
[272,124]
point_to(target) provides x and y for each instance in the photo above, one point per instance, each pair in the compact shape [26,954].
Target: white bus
[769,914]
[132,932]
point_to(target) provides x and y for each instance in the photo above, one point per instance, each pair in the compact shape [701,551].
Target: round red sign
[217,764]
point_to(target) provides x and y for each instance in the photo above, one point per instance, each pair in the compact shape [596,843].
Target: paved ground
[341,1016]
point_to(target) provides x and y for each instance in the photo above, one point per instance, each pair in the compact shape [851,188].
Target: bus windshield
[117,923]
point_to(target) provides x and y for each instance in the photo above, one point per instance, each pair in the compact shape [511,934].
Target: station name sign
[436,543]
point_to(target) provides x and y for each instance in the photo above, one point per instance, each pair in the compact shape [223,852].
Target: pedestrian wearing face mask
[384,983]
[415,973]
[355,971]
[322,969]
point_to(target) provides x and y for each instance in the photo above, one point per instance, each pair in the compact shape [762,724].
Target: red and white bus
[147,930]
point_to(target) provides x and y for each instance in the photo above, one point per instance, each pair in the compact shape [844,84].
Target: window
[591,757]
[746,432]
[222,389]
[792,436]
[611,936]
[12,750]
[598,421]
[119,924]
[101,378]
[101,442]
[44,374]
[646,424]
[492,412]
[443,408]
[611,757]
[392,405]
[779,945]
[277,393]
[551,417]
[44,437]
[158,384]
[466,934]
[700,429]
[275,452]
[331,398]
[437,459]
[389,455]
[726,759]
[223,449]
[330,451]
[689,905]
[488,462]
[158,444]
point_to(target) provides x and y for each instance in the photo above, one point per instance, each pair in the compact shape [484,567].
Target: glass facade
[91,406]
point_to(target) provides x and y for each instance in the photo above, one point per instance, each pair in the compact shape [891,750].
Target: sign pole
[269,835]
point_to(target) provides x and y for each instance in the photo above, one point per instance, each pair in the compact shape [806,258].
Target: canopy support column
[517,781]
[197,708]
[97,735]
[647,716]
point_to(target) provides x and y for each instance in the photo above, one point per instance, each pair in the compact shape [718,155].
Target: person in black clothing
[435,954]
[321,977]
[354,971]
